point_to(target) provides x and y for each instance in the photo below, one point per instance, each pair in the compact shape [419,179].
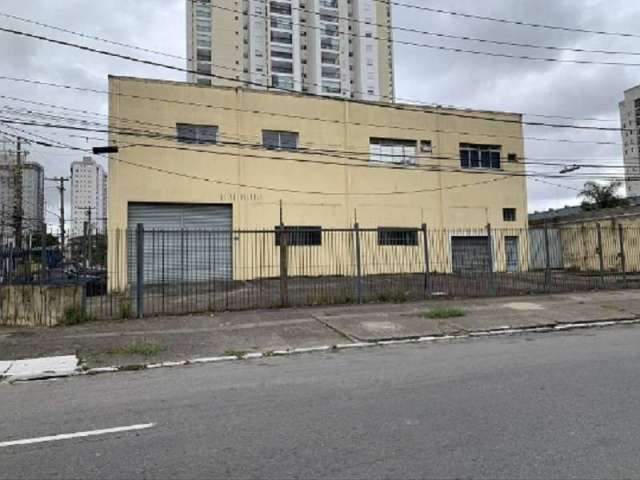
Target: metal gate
[182,242]
[470,254]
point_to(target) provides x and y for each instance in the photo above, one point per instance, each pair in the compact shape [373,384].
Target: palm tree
[598,196]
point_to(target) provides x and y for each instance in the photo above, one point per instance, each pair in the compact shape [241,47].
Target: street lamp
[104,150]
[569,169]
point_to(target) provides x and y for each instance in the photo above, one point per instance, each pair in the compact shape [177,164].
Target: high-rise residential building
[32,175]
[630,123]
[327,47]
[88,196]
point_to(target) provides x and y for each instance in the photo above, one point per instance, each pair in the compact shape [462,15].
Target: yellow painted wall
[580,244]
[458,199]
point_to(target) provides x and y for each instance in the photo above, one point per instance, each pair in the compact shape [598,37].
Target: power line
[295,116]
[433,34]
[91,37]
[462,50]
[499,174]
[327,98]
[509,21]
[415,101]
[332,153]
[387,105]
[281,190]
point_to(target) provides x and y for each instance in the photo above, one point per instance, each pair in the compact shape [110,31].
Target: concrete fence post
[427,268]
[600,253]
[140,270]
[623,257]
[284,267]
[356,231]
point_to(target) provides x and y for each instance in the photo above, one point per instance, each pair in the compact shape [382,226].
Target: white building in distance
[326,47]
[88,196]
[630,123]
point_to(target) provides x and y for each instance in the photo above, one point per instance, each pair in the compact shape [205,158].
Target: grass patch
[74,316]
[439,313]
[143,348]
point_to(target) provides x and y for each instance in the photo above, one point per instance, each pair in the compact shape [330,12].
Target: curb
[320,349]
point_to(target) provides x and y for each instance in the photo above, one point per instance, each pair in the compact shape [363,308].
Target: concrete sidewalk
[170,339]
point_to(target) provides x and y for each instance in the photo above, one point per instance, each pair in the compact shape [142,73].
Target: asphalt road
[538,406]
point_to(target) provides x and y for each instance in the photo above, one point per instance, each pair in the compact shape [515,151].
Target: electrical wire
[332,153]
[295,116]
[508,21]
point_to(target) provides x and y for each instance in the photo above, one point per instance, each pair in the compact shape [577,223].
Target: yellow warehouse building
[195,157]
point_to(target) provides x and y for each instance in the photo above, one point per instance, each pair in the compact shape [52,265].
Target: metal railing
[144,272]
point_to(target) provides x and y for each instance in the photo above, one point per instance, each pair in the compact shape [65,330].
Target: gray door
[512,258]
[470,254]
[182,242]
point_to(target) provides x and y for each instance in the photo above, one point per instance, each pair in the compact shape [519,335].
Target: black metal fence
[140,272]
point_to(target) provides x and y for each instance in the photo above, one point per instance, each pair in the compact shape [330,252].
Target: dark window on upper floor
[278,139]
[298,236]
[388,236]
[509,214]
[199,134]
[479,156]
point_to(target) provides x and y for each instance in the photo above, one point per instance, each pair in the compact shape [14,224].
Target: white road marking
[68,436]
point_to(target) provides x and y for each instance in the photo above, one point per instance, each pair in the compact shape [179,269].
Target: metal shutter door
[182,242]
[470,254]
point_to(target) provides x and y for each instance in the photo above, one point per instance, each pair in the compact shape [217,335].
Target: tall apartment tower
[88,193]
[630,123]
[32,175]
[327,47]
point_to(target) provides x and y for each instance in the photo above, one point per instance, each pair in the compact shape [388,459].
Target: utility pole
[17,204]
[61,189]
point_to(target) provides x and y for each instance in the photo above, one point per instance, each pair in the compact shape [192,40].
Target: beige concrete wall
[37,306]
[350,189]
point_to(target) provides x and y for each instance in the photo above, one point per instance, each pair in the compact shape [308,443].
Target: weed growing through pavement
[144,348]
[439,313]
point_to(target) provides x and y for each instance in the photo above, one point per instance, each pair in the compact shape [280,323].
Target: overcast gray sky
[428,75]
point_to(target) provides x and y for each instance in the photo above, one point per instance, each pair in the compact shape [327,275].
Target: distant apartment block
[88,196]
[327,47]
[32,175]
[630,123]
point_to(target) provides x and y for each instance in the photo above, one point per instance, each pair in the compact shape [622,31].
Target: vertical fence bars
[159,272]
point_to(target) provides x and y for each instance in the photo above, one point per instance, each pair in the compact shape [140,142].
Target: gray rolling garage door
[182,242]
[470,254]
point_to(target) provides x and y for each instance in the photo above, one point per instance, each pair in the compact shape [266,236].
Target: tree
[597,196]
